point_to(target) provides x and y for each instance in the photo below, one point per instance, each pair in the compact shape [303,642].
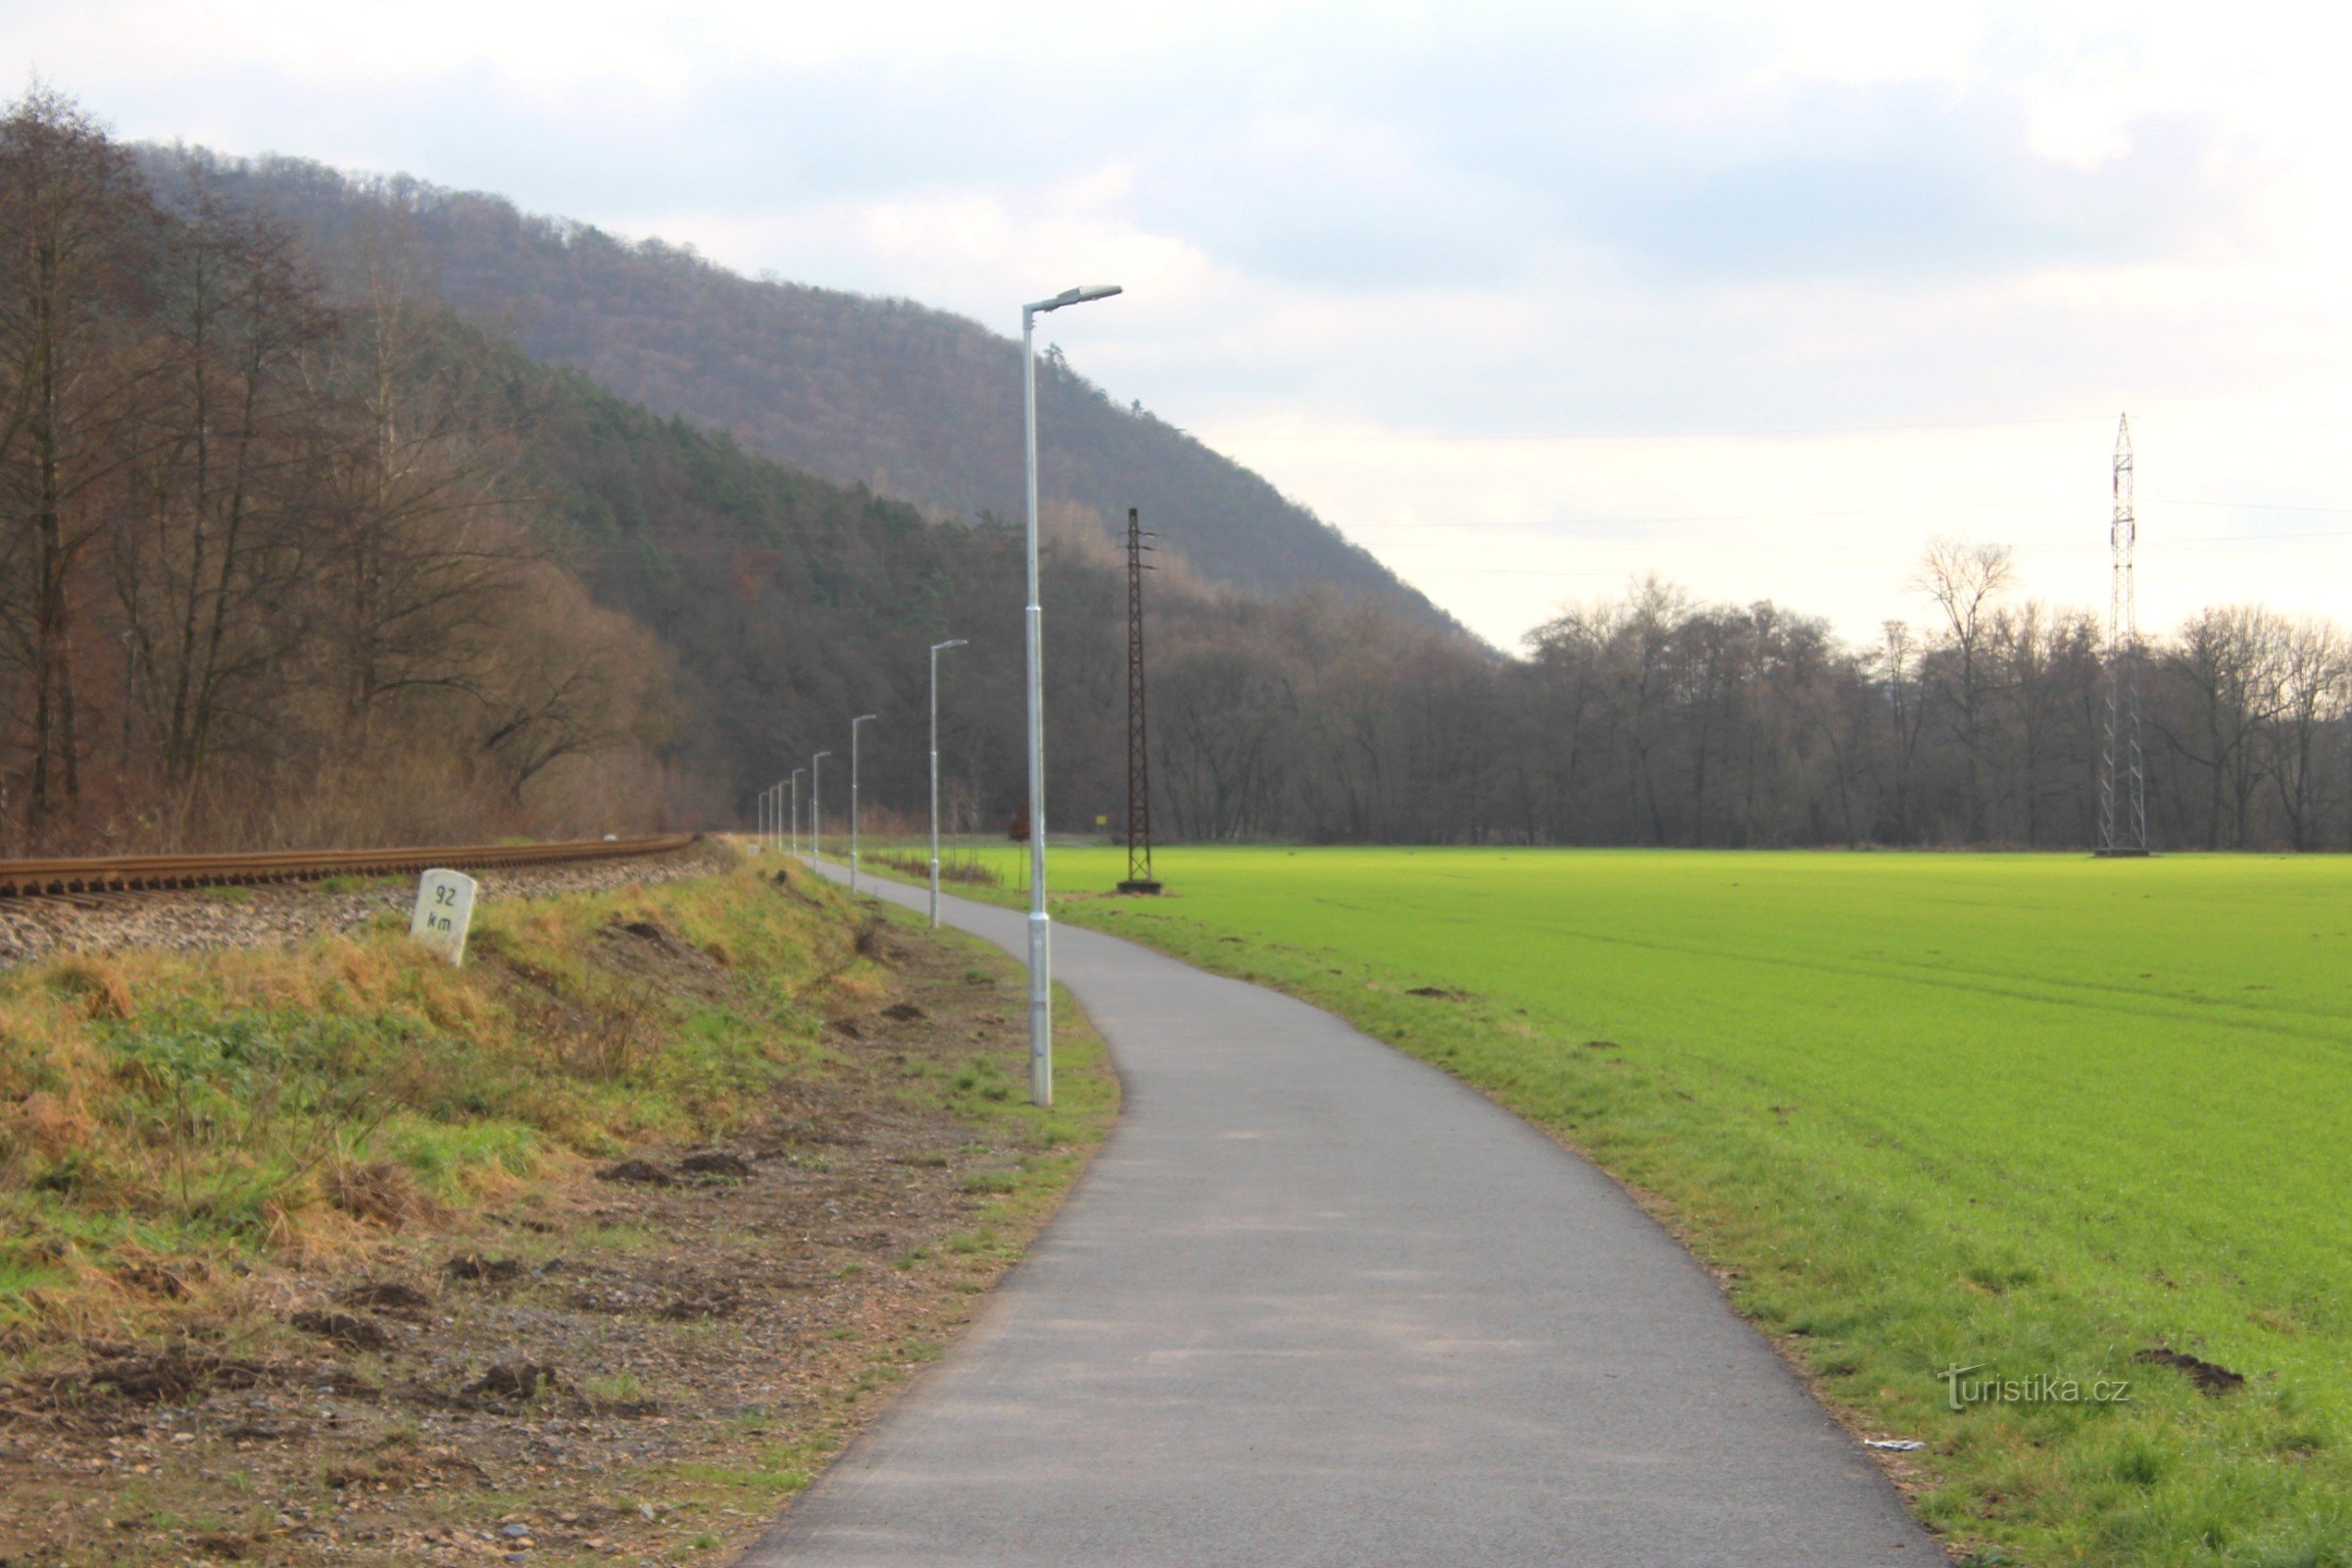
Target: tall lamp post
[816,808]
[1041,992]
[795,809]
[861,719]
[936,650]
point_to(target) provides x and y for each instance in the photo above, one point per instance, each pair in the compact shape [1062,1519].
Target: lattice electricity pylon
[2123,779]
[1139,756]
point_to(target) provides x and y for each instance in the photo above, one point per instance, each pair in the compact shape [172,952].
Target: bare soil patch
[2205,1375]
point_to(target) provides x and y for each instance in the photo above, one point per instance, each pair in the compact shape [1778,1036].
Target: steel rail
[137,873]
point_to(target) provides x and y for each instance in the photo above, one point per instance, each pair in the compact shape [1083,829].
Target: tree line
[1651,718]
[266,574]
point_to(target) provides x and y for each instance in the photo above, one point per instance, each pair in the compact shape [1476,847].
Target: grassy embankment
[2038,1114]
[167,1118]
[188,1143]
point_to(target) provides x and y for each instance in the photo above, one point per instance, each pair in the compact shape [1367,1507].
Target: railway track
[67,880]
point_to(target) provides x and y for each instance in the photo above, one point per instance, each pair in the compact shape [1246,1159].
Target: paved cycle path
[1316,1302]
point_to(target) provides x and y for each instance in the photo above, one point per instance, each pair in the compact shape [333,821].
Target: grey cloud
[1927,191]
[1671,246]
[1442,158]
[1662,147]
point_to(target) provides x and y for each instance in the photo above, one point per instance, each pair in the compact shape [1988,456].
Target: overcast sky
[1526,300]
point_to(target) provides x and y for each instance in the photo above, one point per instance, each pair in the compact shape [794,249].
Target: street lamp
[1041,993]
[861,719]
[817,808]
[795,809]
[936,650]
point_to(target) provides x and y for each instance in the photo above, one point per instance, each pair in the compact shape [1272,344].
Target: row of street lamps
[1041,992]
[781,824]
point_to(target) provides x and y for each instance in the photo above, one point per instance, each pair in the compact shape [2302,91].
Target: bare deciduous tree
[1964,581]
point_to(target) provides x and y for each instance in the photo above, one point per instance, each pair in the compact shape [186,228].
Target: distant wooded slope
[918,404]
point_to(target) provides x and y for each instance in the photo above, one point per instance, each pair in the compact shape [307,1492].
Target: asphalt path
[1316,1302]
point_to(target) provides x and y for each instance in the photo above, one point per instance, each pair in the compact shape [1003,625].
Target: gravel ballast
[188,921]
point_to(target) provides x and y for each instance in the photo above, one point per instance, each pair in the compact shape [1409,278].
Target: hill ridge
[917,403]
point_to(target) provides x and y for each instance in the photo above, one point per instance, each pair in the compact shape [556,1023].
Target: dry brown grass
[607,1039]
[97,984]
[380,1192]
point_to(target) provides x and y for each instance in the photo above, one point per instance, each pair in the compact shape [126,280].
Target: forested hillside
[788,602]
[910,402]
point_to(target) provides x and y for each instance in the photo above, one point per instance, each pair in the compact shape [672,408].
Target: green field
[2041,1114]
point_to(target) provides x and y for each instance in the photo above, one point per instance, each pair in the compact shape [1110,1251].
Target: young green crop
[2038,1114]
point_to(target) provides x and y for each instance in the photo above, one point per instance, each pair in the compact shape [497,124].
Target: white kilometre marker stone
[444,910]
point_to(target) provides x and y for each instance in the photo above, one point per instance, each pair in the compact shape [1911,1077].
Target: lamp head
[1078,295]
